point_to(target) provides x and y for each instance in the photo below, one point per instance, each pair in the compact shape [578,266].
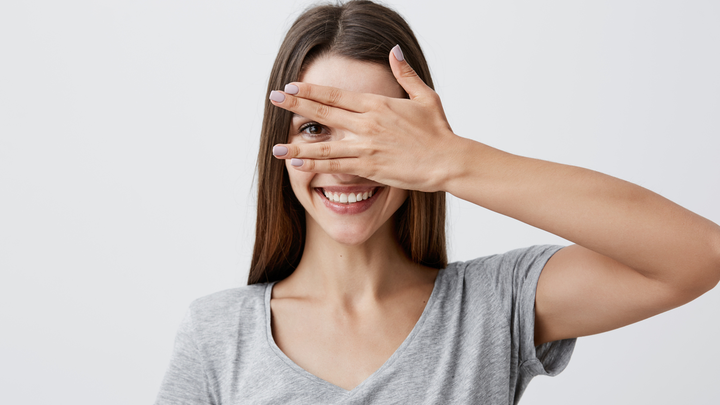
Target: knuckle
[334,96]
[371,148]
[363,126]
[373,128]
[407,71]
[292,102]
[307,92]
[322,111]
[325,150]
[334,166]
[378,104]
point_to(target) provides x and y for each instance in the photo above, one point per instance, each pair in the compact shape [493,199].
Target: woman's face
[364,206]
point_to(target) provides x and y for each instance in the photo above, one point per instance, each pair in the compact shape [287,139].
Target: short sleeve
[549,358]
[185,381]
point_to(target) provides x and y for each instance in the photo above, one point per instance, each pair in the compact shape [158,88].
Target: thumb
[405,75]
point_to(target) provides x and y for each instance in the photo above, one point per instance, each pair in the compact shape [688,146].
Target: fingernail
[279,150]
[296,162]
[398,53]
[291,89]
[277,96]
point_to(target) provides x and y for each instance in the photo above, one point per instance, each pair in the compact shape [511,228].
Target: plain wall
[129,133]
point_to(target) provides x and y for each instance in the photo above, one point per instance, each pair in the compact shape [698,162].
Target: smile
[348,200]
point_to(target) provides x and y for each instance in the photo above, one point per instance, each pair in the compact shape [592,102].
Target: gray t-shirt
[473,344]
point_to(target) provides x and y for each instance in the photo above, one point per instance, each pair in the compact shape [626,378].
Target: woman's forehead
[354,75]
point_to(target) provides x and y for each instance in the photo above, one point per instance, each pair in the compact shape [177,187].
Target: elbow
[704,273]
[709,276]
[715,248]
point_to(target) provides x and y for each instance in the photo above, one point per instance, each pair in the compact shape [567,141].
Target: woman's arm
[637,254]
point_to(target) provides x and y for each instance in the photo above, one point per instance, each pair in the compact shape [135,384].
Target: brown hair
[360,30]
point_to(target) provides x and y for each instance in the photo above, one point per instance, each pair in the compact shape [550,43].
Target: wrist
[443,167]
[460,162]
[476,172]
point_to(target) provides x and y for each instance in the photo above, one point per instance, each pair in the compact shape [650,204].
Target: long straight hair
[359,30]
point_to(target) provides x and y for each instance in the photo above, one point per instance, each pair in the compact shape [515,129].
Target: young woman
[350,297]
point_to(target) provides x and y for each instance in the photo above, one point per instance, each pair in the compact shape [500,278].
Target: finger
[332,96]
[343,166]
[406,76]
[328,115]
[319,150]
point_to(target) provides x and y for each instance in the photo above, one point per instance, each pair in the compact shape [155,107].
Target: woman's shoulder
[236,306]
[238,296]
[505,268]
[232,322]
[498,289]
[522,256]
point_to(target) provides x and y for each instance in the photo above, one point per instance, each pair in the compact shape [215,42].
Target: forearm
[621,220]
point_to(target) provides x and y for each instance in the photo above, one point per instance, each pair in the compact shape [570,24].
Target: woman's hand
[405,143]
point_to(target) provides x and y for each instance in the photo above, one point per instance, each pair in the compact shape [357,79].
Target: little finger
[319,150]
[342,166]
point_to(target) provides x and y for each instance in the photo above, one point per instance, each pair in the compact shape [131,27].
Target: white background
[129,131]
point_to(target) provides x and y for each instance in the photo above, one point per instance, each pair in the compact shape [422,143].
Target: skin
[636,254]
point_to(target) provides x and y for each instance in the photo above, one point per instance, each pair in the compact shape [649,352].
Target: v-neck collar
[375,375]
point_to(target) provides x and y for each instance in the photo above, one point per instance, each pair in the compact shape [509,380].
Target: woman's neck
[354,275]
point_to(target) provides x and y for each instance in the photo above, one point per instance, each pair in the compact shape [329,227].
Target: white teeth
[349,198]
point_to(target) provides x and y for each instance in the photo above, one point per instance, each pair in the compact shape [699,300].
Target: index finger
[332,96]
[322,113]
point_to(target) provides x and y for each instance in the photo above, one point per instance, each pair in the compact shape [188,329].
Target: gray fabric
[473,344]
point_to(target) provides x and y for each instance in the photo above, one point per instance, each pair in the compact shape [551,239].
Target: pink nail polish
[398,53]
[277,97]
[291,89]
[279,150]
[296,162]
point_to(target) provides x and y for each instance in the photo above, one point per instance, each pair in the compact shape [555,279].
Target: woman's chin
[350,237]
[349,230]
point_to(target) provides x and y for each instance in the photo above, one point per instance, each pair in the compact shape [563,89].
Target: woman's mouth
[348,200]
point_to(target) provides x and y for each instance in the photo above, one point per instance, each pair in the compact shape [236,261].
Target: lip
[349,209]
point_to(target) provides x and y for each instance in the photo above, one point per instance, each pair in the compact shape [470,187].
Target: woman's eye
[313,130]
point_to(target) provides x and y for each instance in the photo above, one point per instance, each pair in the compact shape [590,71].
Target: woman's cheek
[300,181]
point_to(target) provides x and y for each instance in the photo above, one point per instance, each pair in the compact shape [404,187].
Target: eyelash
[305,126]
